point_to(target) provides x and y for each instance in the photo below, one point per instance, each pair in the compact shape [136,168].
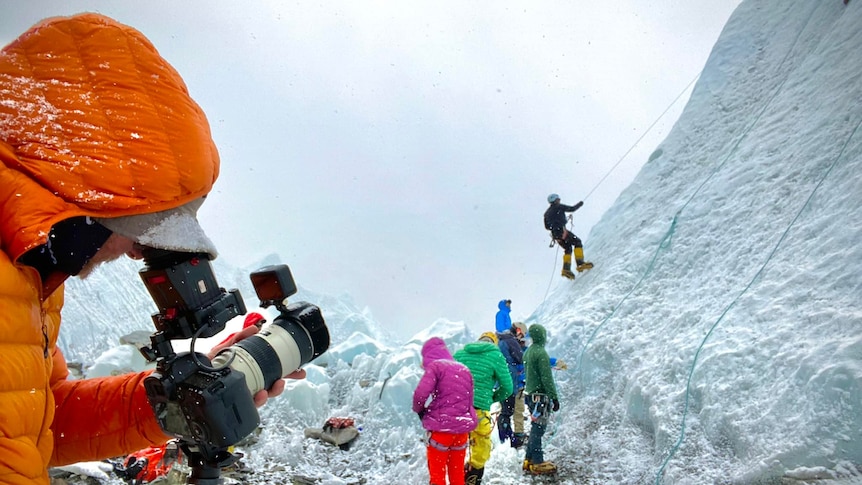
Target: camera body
[210,403]
[212,407]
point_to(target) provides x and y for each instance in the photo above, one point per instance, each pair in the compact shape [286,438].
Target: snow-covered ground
[718,339]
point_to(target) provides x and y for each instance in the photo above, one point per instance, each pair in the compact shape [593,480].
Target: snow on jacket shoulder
[449,387]
[489,370]
[93,122]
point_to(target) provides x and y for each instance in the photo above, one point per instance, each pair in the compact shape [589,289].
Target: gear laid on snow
[340,432]
[149,464]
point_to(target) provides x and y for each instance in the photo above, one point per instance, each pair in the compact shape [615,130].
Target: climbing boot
[473,476]
[567,267]
[544,468]
[518,440]
[503,430]
[526,466]
[579,260]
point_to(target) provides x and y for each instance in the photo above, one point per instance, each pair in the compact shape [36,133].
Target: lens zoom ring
[264,356]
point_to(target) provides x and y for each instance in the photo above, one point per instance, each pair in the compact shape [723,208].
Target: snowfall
[718,340]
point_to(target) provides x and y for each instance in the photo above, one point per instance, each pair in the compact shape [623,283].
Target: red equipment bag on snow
[146,465]
[338,423]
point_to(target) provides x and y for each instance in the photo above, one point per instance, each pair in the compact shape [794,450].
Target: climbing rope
[744,290]
[679,442]
[553,273]
[608,173]
[665,242]
[641,137]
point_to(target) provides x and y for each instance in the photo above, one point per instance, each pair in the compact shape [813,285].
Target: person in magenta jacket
[444,402]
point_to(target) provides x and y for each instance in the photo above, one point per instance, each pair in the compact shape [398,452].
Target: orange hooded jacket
[93,122]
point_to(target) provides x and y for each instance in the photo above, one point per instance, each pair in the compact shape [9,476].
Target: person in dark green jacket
[541,400]
[491,383]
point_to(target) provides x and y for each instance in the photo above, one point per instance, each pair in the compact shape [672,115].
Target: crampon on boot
[544,468]
[567,273]
[584,266]
[473,476]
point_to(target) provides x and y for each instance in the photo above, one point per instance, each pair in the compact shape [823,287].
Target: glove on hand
[556,405]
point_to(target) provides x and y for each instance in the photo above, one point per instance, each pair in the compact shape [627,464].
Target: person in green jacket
[491,383]
[541,399]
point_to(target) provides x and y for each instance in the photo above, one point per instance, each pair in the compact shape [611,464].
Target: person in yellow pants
[480,440]
[555,221]
[491,383]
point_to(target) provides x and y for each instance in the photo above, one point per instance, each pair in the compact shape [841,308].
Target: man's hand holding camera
[277,388]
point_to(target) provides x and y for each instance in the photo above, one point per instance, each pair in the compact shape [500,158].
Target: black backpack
[548,219]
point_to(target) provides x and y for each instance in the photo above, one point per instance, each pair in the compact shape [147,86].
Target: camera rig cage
[208,409]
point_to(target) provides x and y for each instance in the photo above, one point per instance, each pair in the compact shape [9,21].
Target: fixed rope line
[641,137]
[744,290]
[664,242]
[769,257]
[673,223]
[553,273]
[557,252]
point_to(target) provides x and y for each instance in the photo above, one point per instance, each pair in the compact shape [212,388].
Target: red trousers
[446,452]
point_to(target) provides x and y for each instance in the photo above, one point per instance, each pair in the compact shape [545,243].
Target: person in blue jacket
[504,321]
[512,349]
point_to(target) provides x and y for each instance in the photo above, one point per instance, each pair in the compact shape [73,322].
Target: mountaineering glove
[556,405]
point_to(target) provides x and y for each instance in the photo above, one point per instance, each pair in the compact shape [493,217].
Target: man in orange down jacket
[102,152]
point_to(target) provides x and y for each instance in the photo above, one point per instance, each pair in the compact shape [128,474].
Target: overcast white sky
[402,151]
